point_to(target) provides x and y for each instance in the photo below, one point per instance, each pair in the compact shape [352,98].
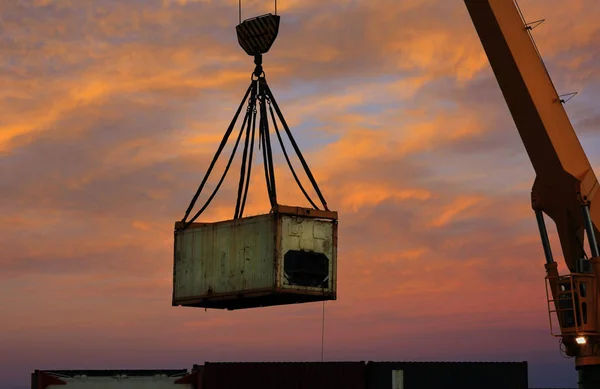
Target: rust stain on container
[285,257]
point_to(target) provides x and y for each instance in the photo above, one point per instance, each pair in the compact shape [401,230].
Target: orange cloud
[455,210]
[358,195]
[112,113]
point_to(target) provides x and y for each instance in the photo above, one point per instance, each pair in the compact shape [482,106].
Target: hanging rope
[219,150]
[323,332]
[258,97]
[240,202]
[287,158]
[296,148]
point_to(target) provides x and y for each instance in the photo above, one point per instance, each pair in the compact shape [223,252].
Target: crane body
[565,187]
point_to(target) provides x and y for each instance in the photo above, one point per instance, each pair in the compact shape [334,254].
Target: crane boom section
[564,176]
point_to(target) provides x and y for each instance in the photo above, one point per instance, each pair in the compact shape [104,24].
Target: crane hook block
[256,35]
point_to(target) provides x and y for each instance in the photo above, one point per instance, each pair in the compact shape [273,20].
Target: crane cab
[575,298]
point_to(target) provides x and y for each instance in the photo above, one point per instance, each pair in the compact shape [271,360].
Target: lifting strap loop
[237,142]
[239,205]
[288,159]
[249,166]
[260,94]
[267,139]
[219,150]
[296,148]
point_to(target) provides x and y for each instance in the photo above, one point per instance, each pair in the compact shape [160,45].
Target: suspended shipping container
[110,379]
[447,375]
[284,257]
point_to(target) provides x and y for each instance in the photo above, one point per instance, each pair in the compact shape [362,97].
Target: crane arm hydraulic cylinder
[565,186]
[564,176]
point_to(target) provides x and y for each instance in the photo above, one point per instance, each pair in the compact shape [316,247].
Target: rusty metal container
[285,257]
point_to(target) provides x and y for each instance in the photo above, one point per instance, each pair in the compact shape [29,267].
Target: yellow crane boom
[565,186]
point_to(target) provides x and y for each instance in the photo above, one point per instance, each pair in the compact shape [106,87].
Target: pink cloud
[113,112]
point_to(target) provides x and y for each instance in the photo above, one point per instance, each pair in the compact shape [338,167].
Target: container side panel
[249,252]
[295,375]
[204,269]
[448,375]
[257,255]
[225,258]
[183,264]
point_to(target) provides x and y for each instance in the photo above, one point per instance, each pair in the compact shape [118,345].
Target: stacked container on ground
[109,379]
[278,375]
[310,375]
[447,375]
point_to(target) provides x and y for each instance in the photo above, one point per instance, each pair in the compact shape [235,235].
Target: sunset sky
[111,112]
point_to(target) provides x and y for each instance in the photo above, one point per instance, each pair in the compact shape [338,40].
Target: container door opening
[306,268]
